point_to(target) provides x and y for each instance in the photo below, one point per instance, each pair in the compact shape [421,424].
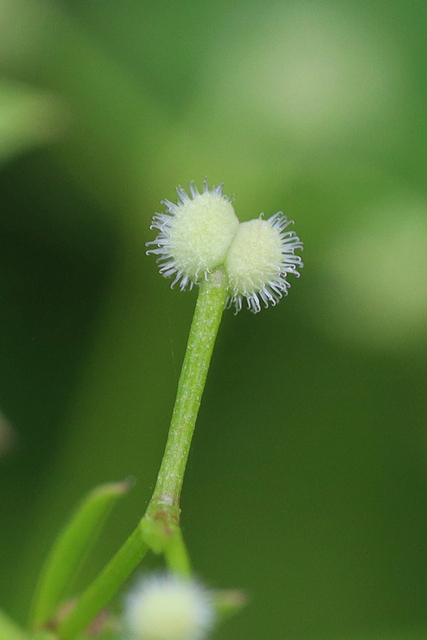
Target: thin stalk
[203,332]
[159,528]
[103,588]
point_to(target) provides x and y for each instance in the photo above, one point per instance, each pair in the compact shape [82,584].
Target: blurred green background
[307,481]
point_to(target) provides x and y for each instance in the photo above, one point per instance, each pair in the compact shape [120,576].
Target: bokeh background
[307,481]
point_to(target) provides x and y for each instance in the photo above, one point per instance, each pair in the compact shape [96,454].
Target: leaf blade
[71,548]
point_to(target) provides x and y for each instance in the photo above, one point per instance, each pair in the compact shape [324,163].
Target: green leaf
[71,548]
[9,630]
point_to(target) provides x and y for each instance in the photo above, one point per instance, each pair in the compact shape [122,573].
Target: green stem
[159,528]
[203,332]
[176,556]
[103,588]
